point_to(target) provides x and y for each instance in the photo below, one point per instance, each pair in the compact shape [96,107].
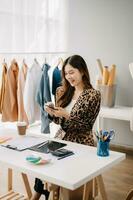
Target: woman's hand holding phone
[50,105]
[56,111]
[49,108]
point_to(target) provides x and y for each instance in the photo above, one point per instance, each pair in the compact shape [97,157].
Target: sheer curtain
[33,25]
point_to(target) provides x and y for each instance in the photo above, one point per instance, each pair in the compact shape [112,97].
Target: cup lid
[21,123]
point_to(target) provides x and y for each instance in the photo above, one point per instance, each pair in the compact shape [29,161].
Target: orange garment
[10,104]
[21,84]
[3,85]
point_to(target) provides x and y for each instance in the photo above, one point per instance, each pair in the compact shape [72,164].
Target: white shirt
[50,74]
[32,81]
[55,127]
[69,107]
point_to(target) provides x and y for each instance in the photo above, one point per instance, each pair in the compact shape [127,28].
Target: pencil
[70,154]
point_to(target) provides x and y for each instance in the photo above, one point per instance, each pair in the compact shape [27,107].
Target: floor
[119,180]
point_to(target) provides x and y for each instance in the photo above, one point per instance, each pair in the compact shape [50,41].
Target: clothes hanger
[45,60]
[13,61]
[60,63]
[24,61]
[60,60]
[35,60]
[4,61]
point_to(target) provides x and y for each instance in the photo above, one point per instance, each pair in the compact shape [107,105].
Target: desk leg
[64,194]
[9,179]
[54,191]
[54,195]
[82,193]
[87,193]
[27,185]
[101,187]
[95,188]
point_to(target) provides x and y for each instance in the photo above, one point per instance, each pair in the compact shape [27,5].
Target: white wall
[103,29]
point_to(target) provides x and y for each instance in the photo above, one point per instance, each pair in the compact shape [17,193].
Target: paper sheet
[22,143]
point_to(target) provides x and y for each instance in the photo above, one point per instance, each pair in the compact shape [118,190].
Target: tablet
[48,146]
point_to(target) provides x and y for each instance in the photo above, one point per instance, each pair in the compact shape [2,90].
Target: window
[33,25]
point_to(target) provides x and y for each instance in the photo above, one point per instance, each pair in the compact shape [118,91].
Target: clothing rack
[32,53]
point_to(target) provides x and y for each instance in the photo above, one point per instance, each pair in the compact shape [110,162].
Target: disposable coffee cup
[21,126]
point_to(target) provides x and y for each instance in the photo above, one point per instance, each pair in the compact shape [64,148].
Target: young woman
[77,106]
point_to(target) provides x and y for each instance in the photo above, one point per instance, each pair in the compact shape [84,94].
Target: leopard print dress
[78,128]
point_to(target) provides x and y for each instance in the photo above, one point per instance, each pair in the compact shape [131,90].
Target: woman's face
[73,75]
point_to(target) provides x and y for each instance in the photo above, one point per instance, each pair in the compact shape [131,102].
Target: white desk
[117,112]
[71,172]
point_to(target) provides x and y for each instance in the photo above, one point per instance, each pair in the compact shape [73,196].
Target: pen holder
[102,148]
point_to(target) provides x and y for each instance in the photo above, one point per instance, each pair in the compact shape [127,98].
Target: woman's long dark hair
[77,62]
